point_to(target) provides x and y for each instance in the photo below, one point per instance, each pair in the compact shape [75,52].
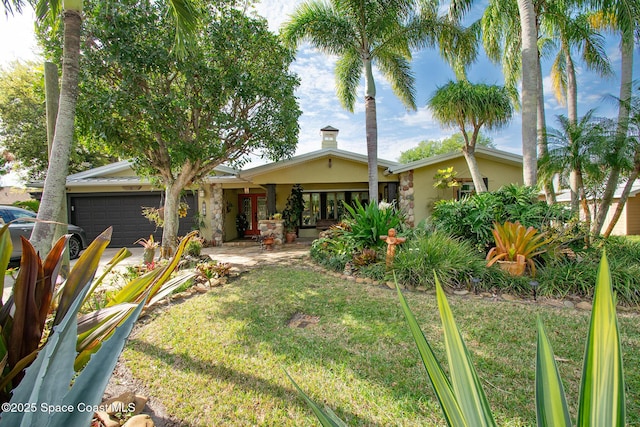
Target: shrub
[455,260]
[332,253]
[368,223]
[575,273]
[31,205]
[472,217]
[194,247]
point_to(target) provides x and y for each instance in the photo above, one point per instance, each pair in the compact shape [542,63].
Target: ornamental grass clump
[463,402]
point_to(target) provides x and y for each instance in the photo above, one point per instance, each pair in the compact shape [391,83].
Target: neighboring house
[629,222]
[113,195]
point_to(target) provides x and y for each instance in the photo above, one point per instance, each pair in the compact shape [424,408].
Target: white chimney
[329,137]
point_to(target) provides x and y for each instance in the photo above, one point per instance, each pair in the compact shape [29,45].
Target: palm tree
[363,33]
[559,22]
[54,186]
[471,106]
[572,147]
[633,143]
[524,62]
[622,16]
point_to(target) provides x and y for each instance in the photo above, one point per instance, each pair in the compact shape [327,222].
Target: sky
[399,129]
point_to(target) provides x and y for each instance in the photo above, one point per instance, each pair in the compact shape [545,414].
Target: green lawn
[218,358]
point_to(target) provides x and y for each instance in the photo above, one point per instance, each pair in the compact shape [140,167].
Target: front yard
[219,358]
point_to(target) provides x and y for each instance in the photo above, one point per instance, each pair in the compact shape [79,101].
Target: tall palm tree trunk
[575,180]
[543,146]
[626,78]
[529,86]
[54,185]
[371,124]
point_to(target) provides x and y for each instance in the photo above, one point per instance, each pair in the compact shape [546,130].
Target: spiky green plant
[463,402]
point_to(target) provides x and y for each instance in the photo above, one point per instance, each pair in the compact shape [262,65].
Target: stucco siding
[633,215]
[425,195]
[320,171]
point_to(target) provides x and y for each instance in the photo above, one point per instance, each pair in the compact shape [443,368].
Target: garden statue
[392,241]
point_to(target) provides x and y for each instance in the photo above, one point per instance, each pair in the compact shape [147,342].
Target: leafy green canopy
[24,126]
[432,148]
[229,95]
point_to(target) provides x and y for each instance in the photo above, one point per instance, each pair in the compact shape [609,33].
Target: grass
[218,359]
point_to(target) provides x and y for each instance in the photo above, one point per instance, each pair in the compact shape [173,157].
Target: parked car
[23,227]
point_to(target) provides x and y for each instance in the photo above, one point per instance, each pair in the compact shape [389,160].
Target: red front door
[254,207]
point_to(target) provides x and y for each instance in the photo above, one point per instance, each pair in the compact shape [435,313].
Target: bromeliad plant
[518,244]
[464,403]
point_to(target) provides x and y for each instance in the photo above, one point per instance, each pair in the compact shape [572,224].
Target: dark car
[23,227]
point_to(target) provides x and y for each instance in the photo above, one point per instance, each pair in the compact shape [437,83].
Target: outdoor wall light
[329,163]
[201,193]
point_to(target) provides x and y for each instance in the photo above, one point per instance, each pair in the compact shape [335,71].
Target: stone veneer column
[274,227]
[217,214]
[406,197]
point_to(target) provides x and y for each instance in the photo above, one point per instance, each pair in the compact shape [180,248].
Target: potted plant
[150,246]
[292,213]
[241,224]
[515,247]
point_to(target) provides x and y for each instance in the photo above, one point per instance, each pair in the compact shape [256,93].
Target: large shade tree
[229,96]
[70,12]
[470,107]
[364,33]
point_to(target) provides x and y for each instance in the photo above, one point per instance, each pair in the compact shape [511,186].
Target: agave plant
[23,317]
[517,244]
[463,402]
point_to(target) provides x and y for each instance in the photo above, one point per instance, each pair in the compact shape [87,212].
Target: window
[328,205]
[466,188]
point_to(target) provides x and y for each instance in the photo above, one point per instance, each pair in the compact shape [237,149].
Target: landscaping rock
[508,297]
[390,285]
[461,292]
[584,306]
[141,420]
[568,304]
[106,419]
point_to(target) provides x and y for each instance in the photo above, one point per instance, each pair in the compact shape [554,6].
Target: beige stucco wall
[425,195]
[633,215]
[317,171]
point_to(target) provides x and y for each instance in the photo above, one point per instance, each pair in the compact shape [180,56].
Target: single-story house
[113,195]
[629,222]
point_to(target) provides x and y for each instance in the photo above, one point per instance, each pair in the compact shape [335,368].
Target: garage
[95,212]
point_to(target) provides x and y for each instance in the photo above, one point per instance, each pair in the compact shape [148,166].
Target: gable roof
[565,195]
[481,152]
[307,157]
[104,175]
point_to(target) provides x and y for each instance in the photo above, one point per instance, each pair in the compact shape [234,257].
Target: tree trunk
[54,185]
[572,114]
[470,157]
[626,77]
[529,84]
[623,197]
[371,123]
[171,220]
[543,146]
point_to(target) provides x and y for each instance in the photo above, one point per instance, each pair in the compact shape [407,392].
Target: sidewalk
[241,257]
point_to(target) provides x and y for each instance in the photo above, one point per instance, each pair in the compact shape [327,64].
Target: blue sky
[398,129]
